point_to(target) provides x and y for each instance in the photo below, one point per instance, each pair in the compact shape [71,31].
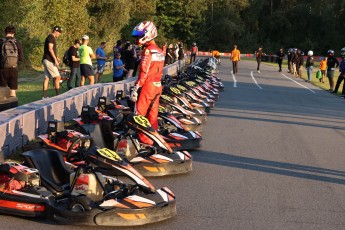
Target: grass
[30,85]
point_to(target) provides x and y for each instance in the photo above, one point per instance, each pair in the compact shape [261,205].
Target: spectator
[117,48]
[342,73]
[323,67]
[294,57]
[9,71]
[164,48]
[310,65]
[258,54]
[169,55]
[194,52]
[176,50]
[73,53]
[299,63]
[51,61]
[235,58]
[86,54]
[100,56]
[129,59]
[137,60]
[332,64]
[118,68]
[149,78]
[180,56]
[280,57]
[289,55]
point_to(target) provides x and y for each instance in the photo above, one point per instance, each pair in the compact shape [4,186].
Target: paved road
[271,159]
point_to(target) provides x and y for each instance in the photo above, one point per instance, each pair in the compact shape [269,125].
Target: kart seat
[55,175]
[95,132]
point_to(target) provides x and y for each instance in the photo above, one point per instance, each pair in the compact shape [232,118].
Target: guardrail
[24,123]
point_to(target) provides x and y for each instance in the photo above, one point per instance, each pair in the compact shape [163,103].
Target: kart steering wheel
[78,148]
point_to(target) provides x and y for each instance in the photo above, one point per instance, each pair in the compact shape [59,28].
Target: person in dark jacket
[289,60]
[299,64]
[169,55]
[294,57]
[180,56]
[332,64]
[9,76]
[259,54]
[130,57]
[342,73]
[310,65]
[280,57]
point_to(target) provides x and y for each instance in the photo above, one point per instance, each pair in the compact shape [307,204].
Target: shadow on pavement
[267,166]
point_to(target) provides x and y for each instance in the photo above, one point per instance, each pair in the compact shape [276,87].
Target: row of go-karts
[91,170]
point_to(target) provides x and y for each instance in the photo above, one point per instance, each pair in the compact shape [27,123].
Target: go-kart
[188,118]
[45,187]
[120,134]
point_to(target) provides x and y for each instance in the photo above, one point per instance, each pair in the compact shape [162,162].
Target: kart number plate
[107,153]
[141,120]
[161,109]
[181,87]
[167,98]
[175,90]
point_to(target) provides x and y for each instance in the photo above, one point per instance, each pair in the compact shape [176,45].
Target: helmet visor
[137,33]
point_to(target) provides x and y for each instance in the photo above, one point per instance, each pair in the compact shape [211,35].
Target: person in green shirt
[86,54]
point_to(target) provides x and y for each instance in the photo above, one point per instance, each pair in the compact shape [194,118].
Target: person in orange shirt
[235,58]
[216,55]
[323,67]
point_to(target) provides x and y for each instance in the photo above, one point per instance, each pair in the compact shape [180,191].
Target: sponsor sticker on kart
[175,90]
[141,120]
[181,87]
[167,98]
[107,153]
[161,109]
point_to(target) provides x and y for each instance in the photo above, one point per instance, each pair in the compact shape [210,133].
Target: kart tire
[82,204]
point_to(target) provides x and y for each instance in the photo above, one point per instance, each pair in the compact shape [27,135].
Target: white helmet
[310,53]
[342,52]
[144,32]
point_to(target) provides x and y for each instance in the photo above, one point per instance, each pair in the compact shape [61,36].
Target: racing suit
[149,80]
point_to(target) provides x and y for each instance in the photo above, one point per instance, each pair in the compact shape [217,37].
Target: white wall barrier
[21,124]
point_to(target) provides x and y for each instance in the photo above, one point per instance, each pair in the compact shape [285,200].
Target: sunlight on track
[299,83]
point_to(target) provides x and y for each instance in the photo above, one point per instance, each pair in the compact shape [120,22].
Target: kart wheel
[82,204]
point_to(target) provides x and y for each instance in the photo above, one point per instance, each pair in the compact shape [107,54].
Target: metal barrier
[24,123]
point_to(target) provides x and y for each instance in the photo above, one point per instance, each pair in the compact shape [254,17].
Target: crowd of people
[173,53]
[296,61]
[327,67]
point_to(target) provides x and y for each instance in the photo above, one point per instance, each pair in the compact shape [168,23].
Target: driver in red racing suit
[150,74]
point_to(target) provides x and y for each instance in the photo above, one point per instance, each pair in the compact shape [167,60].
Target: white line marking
[234,78]
[299,84]
[257,84]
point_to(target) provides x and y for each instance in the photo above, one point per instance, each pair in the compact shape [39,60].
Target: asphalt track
[272,158]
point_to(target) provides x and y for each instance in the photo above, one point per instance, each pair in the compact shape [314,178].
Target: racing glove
[134,94]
